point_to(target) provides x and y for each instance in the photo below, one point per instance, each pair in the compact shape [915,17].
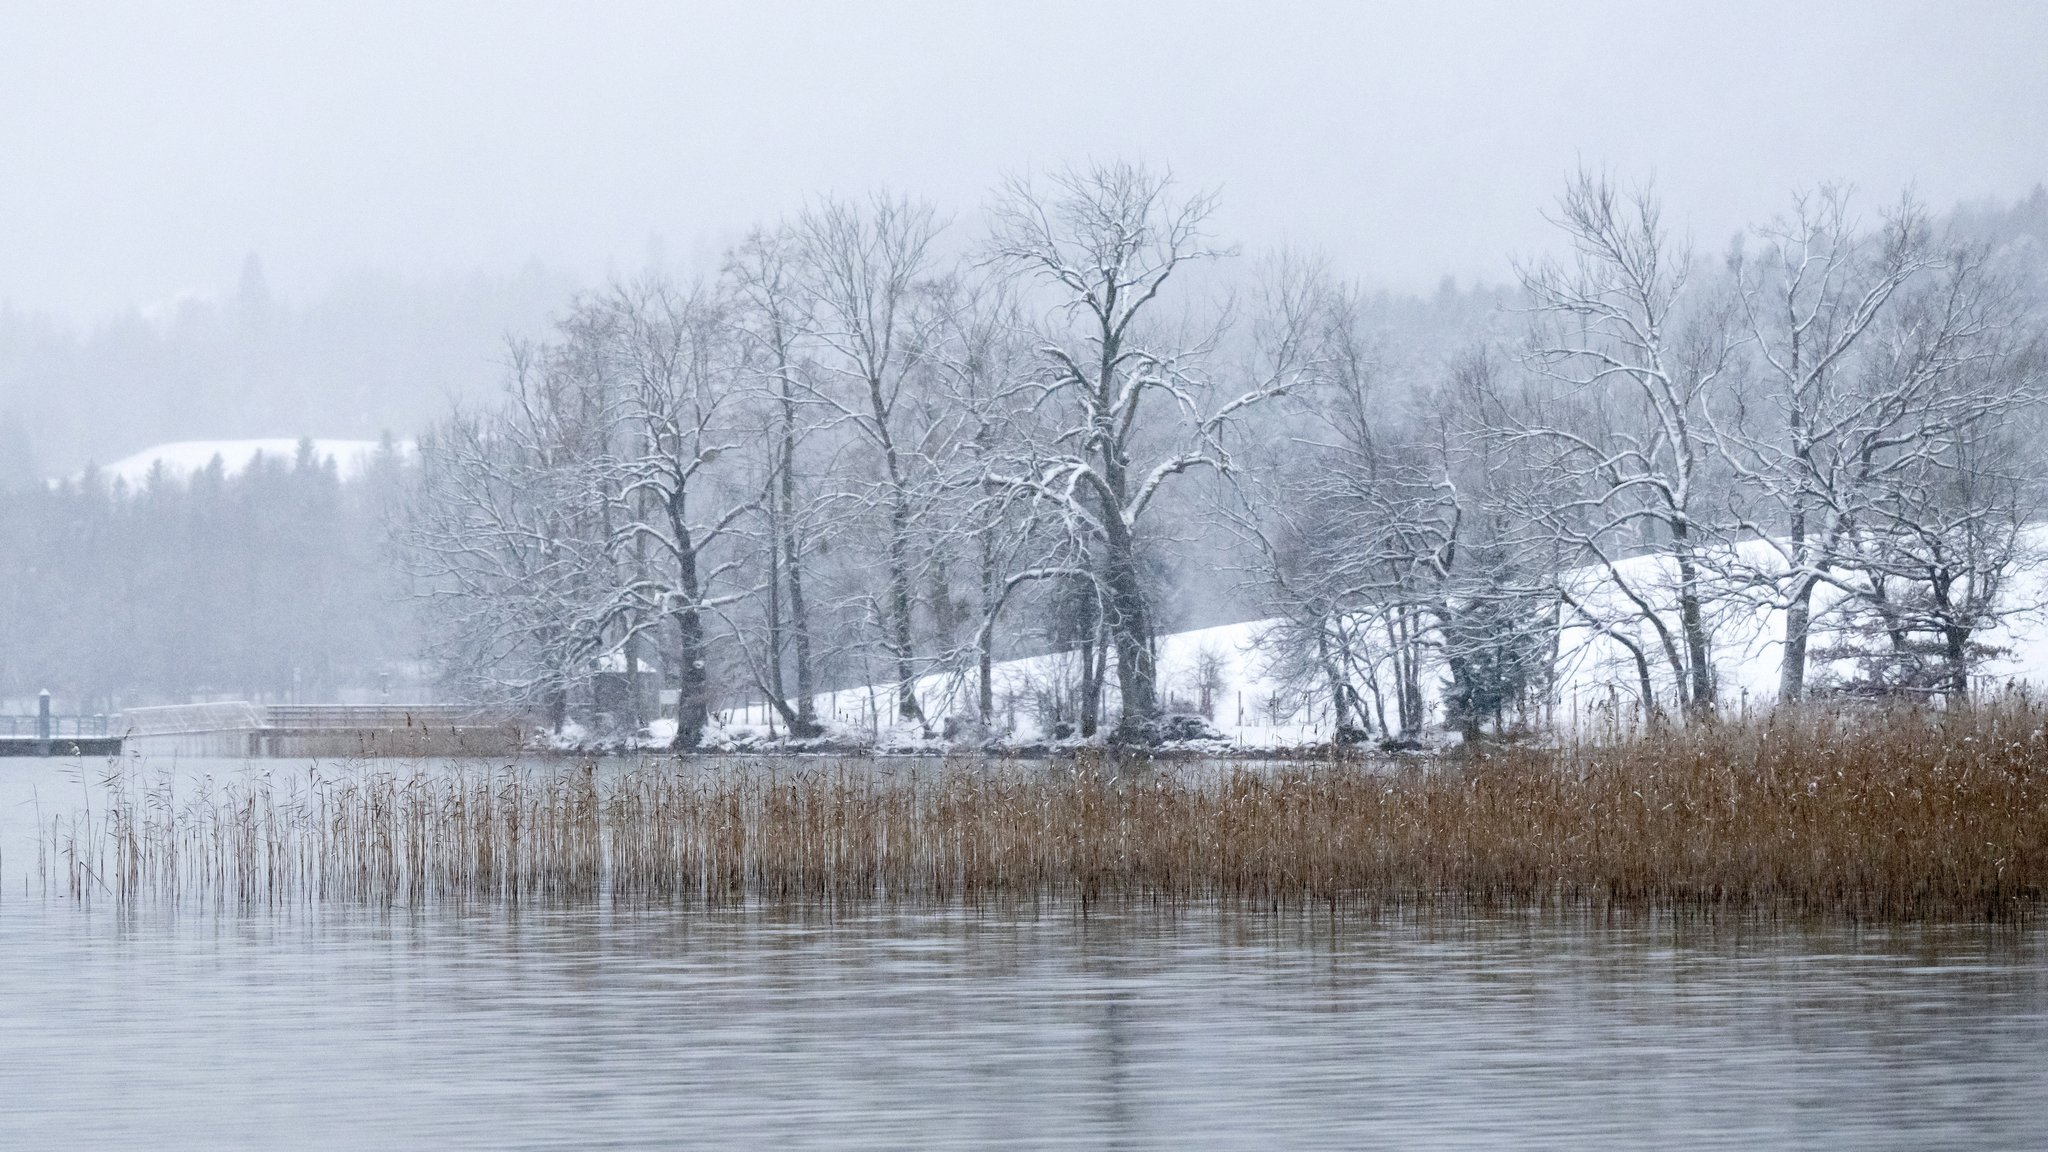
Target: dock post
[43,723]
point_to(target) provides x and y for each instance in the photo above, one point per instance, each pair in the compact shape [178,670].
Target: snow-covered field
[1252,705]
[182,458]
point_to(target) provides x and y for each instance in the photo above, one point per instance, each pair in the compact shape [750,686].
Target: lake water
[605,1028]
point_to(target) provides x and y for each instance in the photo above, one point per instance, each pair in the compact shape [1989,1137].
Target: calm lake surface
[612,1028]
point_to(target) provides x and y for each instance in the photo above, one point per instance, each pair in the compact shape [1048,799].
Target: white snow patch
[1253,707]
[181,459]
[1249,707]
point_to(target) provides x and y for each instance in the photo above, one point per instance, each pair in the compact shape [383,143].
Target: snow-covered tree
[505,531]
[771,313]
[1134,397]
[677,360]
[1633,347]
[867,267]
[1812,295]
[1946,475]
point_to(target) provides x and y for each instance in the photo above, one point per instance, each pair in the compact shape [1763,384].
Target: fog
[150,149]
[418,183]
[364,222]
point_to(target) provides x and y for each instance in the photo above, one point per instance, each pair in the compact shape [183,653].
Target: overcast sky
[142,155]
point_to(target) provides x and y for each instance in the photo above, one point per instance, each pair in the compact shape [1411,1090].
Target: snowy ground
[1253,707]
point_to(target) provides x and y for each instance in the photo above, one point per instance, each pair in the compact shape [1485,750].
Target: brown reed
[1873,816]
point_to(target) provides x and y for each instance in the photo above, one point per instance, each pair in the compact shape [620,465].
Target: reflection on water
[592,1028]
[600,1028]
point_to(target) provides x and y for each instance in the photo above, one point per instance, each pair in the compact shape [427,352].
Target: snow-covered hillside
[1252,704]
[182,458]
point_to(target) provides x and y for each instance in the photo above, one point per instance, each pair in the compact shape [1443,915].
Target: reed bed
[1870,816]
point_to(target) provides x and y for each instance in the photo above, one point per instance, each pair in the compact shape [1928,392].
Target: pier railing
[61,726]
[239,728]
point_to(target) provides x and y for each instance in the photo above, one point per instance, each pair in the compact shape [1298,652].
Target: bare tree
[866,266]
[772,315]
[1103,243]
[505,532]
[1942,480]
[979,362]
[1636,351]
[1809,299]
[1390,526]
[675,352]
[1314,507]
[1937,562]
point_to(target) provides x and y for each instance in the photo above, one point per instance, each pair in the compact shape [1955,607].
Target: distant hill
[182,458]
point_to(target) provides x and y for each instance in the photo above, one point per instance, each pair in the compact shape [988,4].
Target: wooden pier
[60,746]
[382,730]
[237,729]
[49,738]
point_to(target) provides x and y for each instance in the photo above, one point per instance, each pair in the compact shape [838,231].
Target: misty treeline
[880,444]
[369,353]
[273,583]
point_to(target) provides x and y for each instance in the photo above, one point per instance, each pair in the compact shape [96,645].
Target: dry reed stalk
[1882,815]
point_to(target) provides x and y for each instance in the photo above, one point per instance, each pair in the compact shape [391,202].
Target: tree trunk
[1799,612]
[805,723]
[1339,707]
[785,570]
[1957,652]
[1462,689]
[1645,685]
[1692,622]
[1409,660]
[1129,619]
[985,694]
[557,706]
[1090,703]
[899,607]
[1955,642]
[692,704]
[1396,648]
[634,721]
[1093,659]
[1798,627]
[774,605]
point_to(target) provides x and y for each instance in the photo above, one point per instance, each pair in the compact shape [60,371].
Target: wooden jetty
[237,728]
[60,746]
[382,730]
[49,738]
